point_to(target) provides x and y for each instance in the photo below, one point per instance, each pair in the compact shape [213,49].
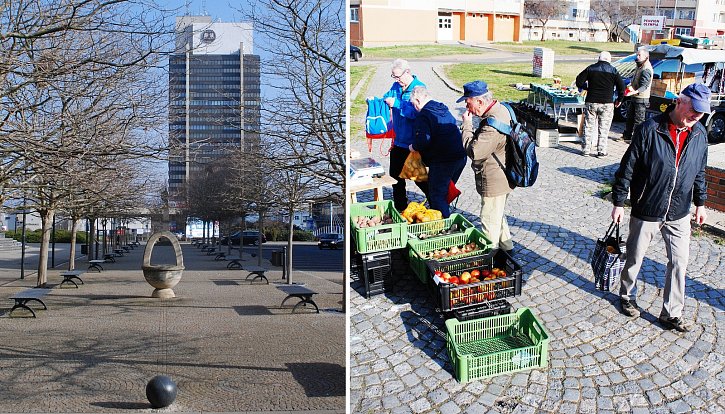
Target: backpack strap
[502,128]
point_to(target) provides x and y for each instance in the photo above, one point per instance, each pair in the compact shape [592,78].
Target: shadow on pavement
[651,272]
[319,379]
[122,405]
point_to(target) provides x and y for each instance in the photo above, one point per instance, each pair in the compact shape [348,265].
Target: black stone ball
[161,391]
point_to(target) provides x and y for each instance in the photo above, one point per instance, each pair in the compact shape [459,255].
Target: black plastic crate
[484,310]
[377,270]
[450,297]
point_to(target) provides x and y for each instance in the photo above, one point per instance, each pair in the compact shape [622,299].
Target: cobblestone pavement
[228,344]
[599,360]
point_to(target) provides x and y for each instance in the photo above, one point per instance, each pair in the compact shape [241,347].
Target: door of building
[445,26]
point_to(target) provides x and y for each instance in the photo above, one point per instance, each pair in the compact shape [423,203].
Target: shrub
[61,236]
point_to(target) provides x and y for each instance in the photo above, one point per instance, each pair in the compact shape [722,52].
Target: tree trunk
[290,239]
[92,248]
[46,217]
[73,235]
[259,238]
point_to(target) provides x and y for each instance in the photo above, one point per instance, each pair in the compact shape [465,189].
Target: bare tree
[307,74]
[614,14]
[543,11]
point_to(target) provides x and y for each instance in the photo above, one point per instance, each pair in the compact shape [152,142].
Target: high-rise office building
[214,97]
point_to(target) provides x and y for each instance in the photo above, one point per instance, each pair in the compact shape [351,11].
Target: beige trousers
[494,223]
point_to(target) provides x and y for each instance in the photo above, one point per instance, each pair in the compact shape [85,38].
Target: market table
[376,185]
[562,104]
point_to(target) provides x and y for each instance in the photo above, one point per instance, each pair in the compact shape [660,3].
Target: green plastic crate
[382,237]
[418,251]
[415,230]
[497,345]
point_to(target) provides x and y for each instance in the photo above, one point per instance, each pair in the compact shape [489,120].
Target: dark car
[626,67]
[330,241]
[247,237]
[355,53]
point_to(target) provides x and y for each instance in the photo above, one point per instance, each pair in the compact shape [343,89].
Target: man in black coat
[599,80]
[664,171]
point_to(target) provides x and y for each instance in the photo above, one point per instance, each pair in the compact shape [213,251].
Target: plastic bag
[413,169]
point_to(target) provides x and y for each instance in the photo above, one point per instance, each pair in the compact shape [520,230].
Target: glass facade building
[214,97]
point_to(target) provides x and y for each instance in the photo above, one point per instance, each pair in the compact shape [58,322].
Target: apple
[465,277]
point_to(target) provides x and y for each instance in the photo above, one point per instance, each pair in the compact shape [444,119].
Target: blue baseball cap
[475,88]
[700,96]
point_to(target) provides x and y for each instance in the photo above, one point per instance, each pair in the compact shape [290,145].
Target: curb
[445,80]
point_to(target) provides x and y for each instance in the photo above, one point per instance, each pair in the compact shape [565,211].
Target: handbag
[608,259]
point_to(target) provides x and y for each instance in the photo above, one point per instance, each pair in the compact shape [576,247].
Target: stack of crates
[376,249]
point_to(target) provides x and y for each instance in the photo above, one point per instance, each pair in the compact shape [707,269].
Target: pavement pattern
[600,361]
[228,344]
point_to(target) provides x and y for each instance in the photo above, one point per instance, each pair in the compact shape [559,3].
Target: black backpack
[521,168]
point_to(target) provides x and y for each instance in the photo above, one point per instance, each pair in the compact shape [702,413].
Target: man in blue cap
[484,146]
[664,172]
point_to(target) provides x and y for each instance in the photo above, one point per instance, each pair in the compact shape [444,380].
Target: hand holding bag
[414,169]
[608,259]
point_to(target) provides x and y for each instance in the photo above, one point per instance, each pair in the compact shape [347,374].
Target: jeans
[440,175]
[397,160]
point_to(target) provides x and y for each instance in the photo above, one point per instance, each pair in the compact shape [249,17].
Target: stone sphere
[161,391]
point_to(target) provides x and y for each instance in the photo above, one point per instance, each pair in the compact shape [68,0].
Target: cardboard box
[547,138]
[659,88]
[674,83]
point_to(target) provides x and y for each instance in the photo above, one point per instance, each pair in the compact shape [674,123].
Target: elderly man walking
[487,147]
[599,80]
[663,170]
[639,91]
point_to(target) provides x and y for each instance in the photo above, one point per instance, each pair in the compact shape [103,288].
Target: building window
[683,31]
[354,14]
[687,14]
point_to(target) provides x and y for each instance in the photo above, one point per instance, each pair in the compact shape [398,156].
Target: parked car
[331,241]
[250,237]
[626,67]
[680,60]
[355,53]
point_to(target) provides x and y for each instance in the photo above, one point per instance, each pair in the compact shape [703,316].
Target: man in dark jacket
[599,80]
[438,139]
[664,171]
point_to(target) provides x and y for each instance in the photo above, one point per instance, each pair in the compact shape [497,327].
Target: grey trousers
[676,235]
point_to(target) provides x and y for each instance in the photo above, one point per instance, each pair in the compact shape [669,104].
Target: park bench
[135,243]
[96,264]
[256,270]
[126,248]
[220,256]
[23,297]
[119,252]
[300,292]
[109,258]
[69,275]
[210,251]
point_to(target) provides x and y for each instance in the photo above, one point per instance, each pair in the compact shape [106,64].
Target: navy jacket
[436,135]
[600,80]
[659,189]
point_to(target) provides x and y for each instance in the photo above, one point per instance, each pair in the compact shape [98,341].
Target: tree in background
[543,11]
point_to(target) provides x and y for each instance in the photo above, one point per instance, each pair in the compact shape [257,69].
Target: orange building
[398,22]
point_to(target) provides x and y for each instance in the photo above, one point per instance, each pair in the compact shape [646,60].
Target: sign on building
[653,22]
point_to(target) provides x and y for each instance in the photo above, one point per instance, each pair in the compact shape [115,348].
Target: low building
[399,22]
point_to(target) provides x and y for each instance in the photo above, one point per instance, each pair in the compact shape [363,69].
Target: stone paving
[599,360]
[228,344]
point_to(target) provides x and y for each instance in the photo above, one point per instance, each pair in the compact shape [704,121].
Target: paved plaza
[600,361]
[229,345]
